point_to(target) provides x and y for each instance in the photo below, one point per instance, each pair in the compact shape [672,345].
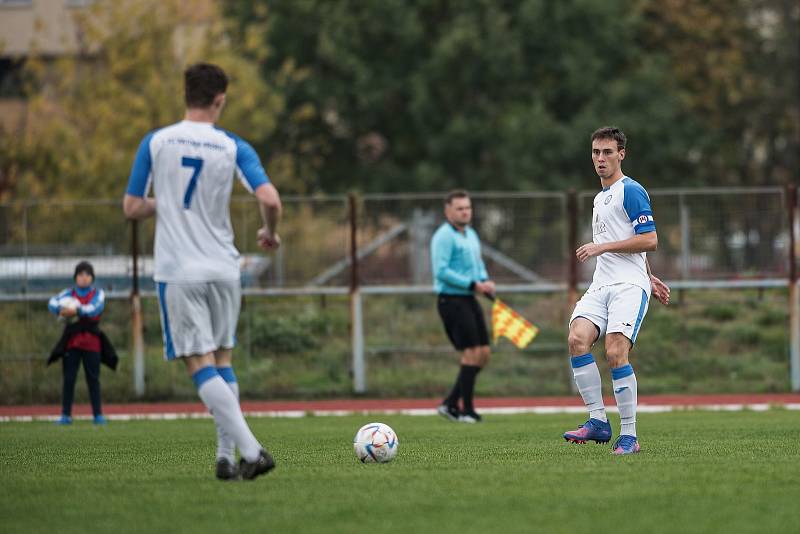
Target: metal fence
[736,237]
[704,234]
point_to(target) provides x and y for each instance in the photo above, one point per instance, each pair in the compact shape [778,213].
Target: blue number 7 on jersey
[197,165]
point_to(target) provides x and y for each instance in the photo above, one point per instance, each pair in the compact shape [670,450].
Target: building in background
[44,27]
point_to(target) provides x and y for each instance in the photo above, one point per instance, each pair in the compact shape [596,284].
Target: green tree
[429,94]
[735,66]
[89,110]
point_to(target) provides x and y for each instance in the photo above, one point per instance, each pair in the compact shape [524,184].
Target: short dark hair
[202,83]
[455,193]
[611,132]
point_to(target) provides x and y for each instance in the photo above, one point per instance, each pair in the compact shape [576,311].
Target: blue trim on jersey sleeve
[636,204]
[142,165]
[644,228]
[248,163]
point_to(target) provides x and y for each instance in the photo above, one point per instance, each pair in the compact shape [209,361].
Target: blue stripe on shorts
[639,318]
[169,348]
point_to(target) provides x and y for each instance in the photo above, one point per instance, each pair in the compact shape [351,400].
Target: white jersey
[620,212]
[191,166]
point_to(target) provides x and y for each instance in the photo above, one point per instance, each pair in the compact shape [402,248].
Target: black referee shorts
[463,320]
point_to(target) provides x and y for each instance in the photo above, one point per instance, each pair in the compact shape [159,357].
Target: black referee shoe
[250,470]
[450,412]
[226,470]
[470,417]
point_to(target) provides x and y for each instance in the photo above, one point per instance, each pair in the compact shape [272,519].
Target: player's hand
[660,290]
[486,287]
[267,240]
[589,250]
[68,312]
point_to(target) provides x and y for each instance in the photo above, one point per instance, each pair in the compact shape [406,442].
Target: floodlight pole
[356,314]
[136,316]
[794,298]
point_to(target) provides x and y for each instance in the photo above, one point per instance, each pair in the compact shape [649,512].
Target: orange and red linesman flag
[506,322]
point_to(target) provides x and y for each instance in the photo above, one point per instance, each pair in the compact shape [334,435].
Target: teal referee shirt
[456,260]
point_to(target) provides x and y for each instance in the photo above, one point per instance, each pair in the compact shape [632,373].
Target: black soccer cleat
[250,470]
[449,412]
[226,470]
[470,417]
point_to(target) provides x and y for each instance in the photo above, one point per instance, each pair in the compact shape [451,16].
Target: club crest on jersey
[642,219]
[607,200]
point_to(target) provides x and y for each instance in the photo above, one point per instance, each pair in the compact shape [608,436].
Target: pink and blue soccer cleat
[592,430]
[625,445]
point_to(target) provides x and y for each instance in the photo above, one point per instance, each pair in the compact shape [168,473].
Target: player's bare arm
[647,242]
[269,204]
[659,289]
[138,207]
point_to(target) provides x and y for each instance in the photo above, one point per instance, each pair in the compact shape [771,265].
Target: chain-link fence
[296,329]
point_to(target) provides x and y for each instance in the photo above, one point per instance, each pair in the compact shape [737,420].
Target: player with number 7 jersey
[190,167]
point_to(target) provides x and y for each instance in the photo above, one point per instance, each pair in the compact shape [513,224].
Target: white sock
[222,403]
[587,378]
[226,448]
[624,381]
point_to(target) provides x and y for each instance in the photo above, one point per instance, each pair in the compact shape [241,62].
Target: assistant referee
[459,273]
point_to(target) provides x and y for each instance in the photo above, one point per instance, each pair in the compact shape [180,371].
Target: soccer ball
[69,302]
[375,443]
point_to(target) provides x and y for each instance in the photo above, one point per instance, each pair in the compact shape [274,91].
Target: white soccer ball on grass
[375,443]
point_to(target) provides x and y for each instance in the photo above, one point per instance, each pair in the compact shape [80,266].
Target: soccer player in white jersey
[623,231]
[191,166]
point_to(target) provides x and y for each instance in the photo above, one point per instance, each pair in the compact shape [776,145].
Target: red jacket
[85,340]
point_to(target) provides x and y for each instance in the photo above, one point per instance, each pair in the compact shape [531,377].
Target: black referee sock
[455,393]
[467,377]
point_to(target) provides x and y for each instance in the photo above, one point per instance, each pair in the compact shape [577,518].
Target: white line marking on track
[510,410]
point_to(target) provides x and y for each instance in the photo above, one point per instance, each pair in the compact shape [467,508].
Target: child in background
[82,306]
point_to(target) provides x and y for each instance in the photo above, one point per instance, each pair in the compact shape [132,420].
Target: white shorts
[198,317]
[615,308]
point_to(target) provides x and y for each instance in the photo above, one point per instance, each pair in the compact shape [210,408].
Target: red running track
[380,405]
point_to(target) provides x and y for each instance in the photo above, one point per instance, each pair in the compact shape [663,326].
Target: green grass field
[698,472]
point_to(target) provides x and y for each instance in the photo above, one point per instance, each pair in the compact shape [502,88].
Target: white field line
[510,410]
